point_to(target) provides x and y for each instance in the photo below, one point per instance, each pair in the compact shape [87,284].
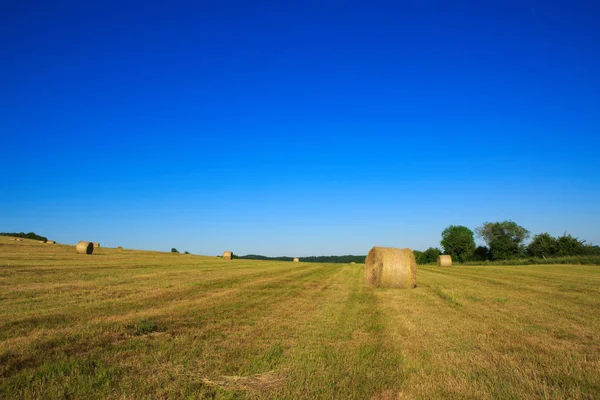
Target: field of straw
[126,324]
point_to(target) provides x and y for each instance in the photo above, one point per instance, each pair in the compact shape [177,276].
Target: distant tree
[543,245]
[174,250]
[187,252]
[430,255]
[504,239]
[591,250]
[481,253]
[458,242]
[418,256]
[567,245]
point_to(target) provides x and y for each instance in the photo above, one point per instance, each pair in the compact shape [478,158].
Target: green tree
[418,256]
[567,245]
[174,250]
[457,241]
[481,253]
[543,245]
[430,255]
[504,239]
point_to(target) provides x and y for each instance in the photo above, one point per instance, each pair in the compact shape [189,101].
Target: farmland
[141,324]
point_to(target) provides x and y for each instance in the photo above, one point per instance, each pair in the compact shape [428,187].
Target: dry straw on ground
[296,259]
[96,244]
[444,261]
[50,242]
[84,247]
[391,268]
[227,255]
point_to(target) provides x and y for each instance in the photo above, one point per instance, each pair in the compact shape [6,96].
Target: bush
[174,250]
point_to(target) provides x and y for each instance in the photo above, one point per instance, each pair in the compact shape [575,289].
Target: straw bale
[296,259]
[84,247]
[444,261]
[391,268]
[227,255]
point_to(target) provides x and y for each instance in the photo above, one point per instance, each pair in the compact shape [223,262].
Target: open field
[135,324]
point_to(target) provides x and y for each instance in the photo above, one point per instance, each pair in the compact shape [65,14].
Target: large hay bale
[444,261]
[96,244]
[50,242]
[84,247]
[296,259]
[352,263]
[227,255]
[391,268]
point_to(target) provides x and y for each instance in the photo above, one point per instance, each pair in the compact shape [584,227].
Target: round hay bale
[96,244]
[84,247]
[391,268]
[50,242]
[352,263]
[227,255]
[444,261]
[296,259]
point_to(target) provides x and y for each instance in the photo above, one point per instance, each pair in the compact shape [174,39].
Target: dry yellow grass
[123,324]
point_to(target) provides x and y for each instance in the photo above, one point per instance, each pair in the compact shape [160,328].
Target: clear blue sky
[297,128]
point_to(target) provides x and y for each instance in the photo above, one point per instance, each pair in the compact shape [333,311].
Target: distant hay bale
[391,268]
[50,241]
[96,244]
[296,259]
[227,255]
[444,261]
[352,263]
[84,247]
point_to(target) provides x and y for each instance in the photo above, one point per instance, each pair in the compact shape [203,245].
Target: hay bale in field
[50,242]
[227,255]
[444,261]
[391,268]
[352,263]
[84,247]
[96,244]
[296,259]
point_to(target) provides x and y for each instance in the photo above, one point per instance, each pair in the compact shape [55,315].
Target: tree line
[30,235]
[504,240]
[324,259]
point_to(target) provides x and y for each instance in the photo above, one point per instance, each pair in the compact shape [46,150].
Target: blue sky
[297,128]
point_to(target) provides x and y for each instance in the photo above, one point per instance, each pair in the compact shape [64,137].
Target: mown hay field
[136,324]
